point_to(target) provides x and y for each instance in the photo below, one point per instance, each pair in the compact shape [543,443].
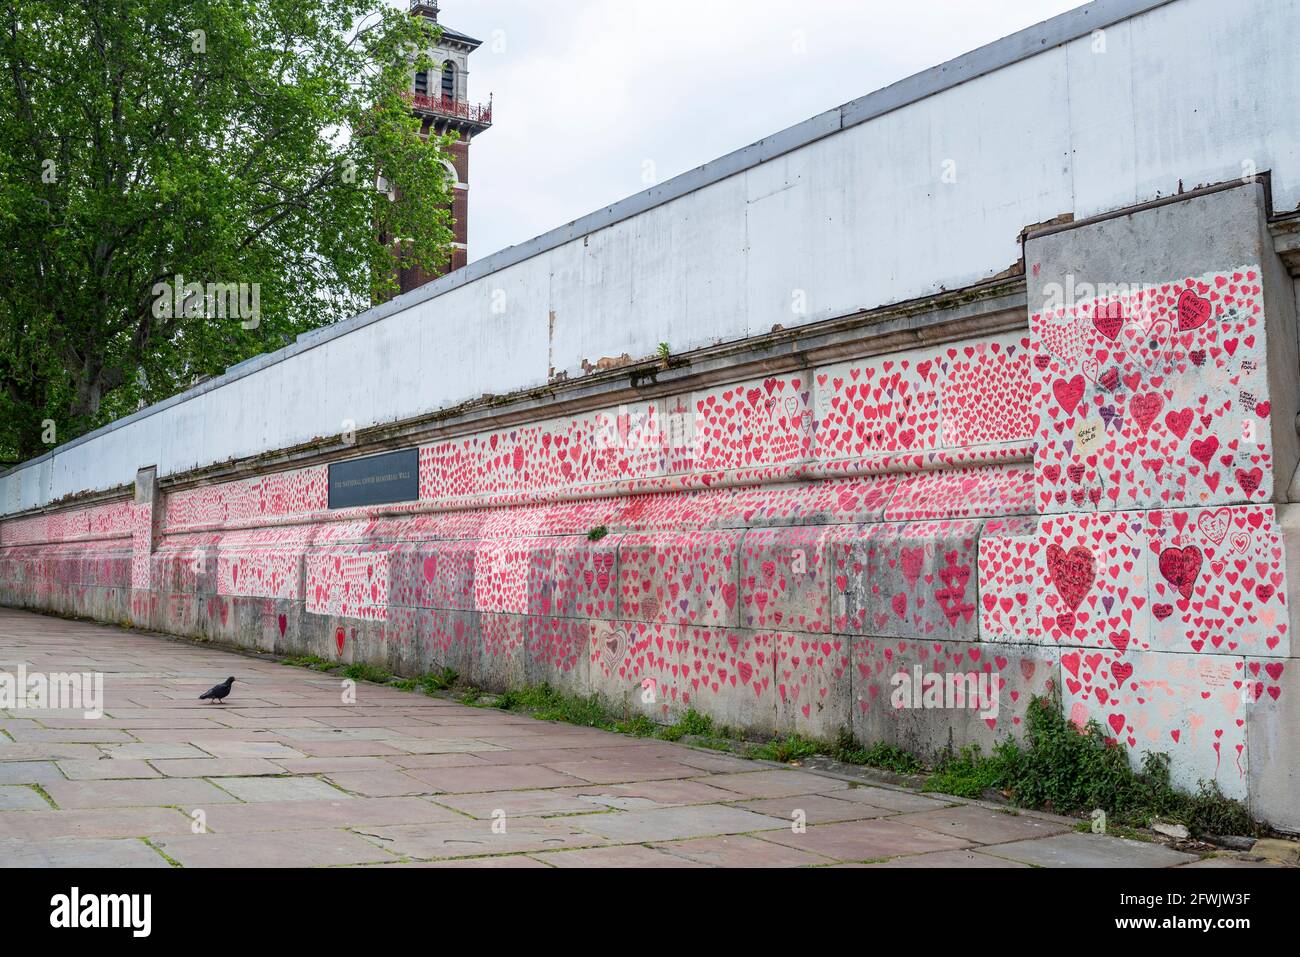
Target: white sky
[591,95]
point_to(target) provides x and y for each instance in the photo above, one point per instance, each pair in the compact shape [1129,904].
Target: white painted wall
[1183,94]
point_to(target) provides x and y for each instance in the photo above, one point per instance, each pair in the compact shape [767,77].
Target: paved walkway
[284,774]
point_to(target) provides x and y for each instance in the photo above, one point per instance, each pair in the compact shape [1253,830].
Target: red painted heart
[1069,393]
[1072,572]
[1145,408]
[1193,311]
[1109,320]
[1181,567]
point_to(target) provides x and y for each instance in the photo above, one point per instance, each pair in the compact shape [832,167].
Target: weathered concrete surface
[405,780]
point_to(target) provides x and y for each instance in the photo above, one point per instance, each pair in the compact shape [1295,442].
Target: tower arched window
[422,83]
[449,80]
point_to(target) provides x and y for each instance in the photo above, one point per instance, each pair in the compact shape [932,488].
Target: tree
[147,145]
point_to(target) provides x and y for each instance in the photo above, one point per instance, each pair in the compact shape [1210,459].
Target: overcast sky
[594,96]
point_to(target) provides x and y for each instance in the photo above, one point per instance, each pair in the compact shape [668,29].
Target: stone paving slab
[152,752]
[17,797]
[666,824]
[893,800]
[468,780]
[406,762]
[867,840]
[551,757]
[622,772]
[478,839]
[30,772]
[287,774]
[508,862]
[959,860]
[775,783]
[742,851]
[87,735]
[387,783]
[982,826]
[1091,850]
[643,795]
[621,855]
[1218,863]
[816,809]
[214,767]
[180,792]
[321,765]
[537,803]
[327,847]
[66,852]
[266,790]
[46,751]
[106,769]
[250,749]
[342,813]
[340,749]
[100,822]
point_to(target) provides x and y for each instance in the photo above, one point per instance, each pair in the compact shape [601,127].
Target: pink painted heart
[899,604]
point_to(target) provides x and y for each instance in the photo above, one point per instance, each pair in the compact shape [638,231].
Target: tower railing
[446,106]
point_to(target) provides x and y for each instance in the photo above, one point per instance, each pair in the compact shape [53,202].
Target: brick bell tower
[441,102]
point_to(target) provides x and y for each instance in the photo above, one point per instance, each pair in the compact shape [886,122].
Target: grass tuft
[785,749]
[313,662]
[364,672]
[886,757]
[691,723]
[431,683]
[965,774]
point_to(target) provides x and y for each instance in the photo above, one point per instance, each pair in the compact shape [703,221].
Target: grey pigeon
[219,692]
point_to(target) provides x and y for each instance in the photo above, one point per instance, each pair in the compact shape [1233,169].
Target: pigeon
[219,692]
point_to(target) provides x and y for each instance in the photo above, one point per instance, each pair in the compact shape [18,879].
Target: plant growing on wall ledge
[187,183]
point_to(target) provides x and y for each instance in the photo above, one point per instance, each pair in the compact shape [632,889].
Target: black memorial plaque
[377,480]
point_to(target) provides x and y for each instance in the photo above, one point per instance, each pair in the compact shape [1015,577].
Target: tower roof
[429,10]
